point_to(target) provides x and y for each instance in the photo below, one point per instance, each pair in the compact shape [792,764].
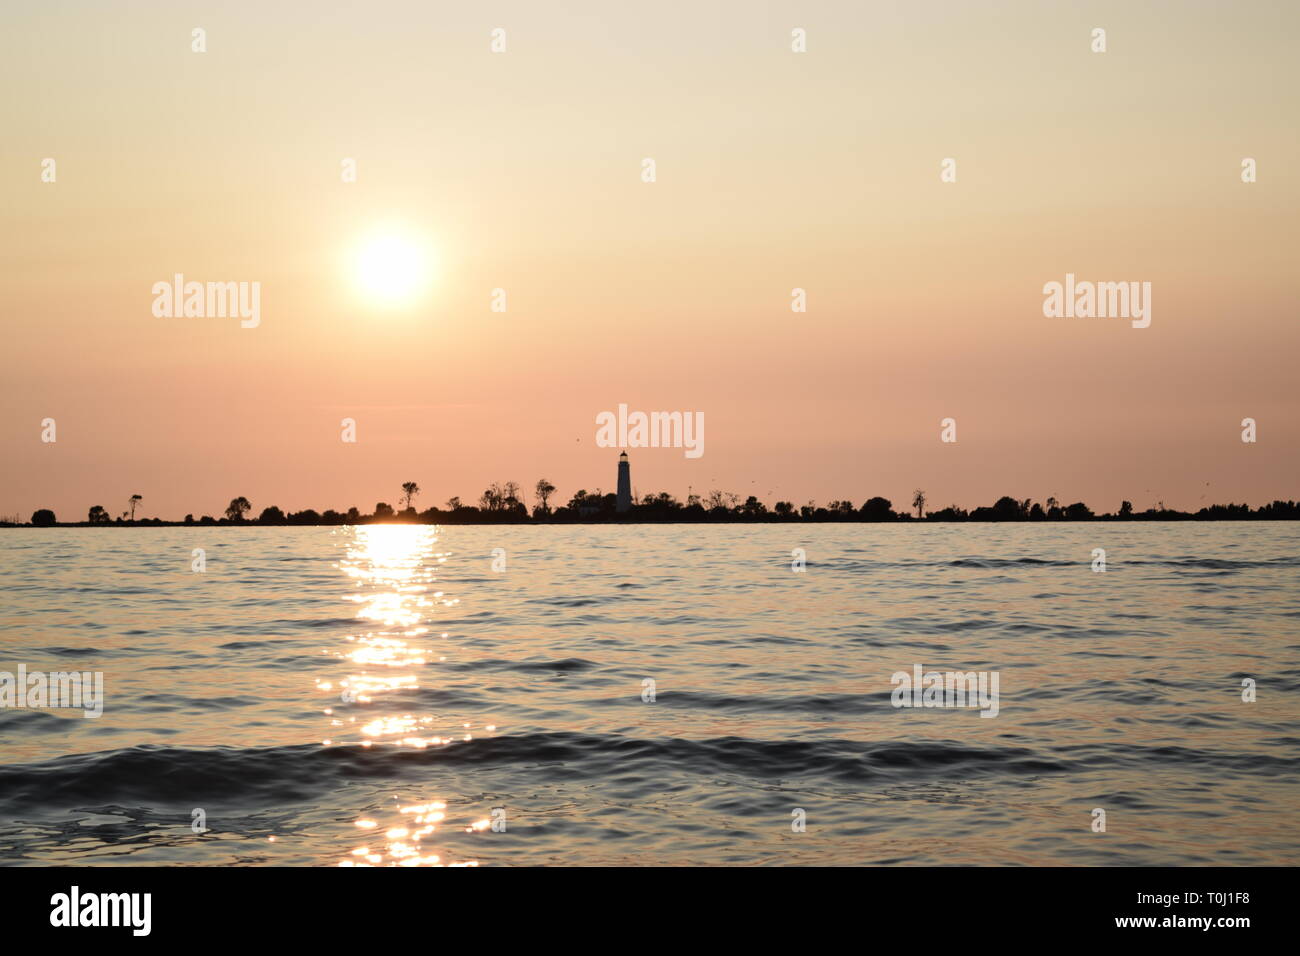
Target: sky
[522,170]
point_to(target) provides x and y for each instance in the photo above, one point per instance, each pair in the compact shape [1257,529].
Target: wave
[155,775]
[567,665]
[856,704]
[989,563]
[1223,564]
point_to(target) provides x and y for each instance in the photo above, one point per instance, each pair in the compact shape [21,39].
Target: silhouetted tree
[950,513]
[409,490]
[453,503]
[271,515]
[918,502]
[662,504]
[1279,510]
[877,509]
[1006,508]
[135,500]
[383,510]
[502,497]
[543,490]
[43,517]
[238,508]
[492,498]
[1126,509]
[97,515]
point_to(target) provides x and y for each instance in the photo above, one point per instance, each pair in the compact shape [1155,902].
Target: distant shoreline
[502,505]
[628,520]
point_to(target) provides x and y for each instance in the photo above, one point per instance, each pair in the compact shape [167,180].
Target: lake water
[331,696]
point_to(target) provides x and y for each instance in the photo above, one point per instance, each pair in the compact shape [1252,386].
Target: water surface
[368,695]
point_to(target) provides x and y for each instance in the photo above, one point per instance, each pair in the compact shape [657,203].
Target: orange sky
[775,170]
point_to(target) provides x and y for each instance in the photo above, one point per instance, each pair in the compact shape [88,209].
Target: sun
[392,268]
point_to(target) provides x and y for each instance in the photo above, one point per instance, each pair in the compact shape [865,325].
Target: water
[471,689]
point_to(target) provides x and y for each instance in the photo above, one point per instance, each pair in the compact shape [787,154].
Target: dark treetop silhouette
[500,504]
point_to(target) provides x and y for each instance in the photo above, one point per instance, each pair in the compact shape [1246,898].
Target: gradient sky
[775,170]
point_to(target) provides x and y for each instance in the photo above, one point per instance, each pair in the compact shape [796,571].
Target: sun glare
[392,268]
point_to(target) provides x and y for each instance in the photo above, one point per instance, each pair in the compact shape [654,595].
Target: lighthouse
[624,501]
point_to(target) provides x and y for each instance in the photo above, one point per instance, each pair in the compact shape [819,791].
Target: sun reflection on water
[393,569]
[402,843]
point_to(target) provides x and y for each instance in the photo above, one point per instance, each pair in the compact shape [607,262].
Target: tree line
[504,502]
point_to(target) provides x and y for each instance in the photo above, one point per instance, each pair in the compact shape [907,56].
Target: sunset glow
[687,435]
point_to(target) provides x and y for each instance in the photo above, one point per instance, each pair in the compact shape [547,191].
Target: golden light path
[393,569]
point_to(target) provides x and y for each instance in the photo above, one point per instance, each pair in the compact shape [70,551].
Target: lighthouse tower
[624,501]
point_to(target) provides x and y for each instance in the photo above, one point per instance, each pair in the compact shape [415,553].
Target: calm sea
[371,695]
